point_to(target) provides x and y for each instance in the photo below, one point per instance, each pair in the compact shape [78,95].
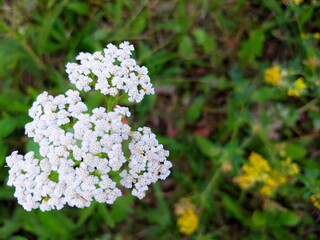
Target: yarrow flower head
[110,72]
[81,150]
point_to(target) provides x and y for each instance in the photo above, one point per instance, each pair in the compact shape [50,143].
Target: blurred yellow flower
[266,190]
[315,199]
[259,163]
[298,88]
[273,75]
[316,35]
[188,221]
[258,170]
[272,182]
[245,181]
[297,2]
[290,167]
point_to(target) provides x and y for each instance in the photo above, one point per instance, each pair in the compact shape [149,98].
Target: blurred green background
[213,107]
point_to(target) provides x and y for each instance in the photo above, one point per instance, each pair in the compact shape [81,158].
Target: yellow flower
[188,221]
[259,163]
[316,35]
[256,170]
[266,191]
[297,2]
[272,182]
[315,198]
[273,75]
[259,171]
[245,181]
[290,168]
[298,88]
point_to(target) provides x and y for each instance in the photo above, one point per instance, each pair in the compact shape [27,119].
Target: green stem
[210,187]
[246,142]
[308,105]
[268,146]
[112,101]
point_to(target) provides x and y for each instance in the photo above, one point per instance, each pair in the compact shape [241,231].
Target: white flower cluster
[81,151]
[111,72]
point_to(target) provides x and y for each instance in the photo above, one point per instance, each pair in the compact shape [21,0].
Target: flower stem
[210,187]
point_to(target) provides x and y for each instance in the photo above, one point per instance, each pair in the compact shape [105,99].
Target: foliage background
[212,108]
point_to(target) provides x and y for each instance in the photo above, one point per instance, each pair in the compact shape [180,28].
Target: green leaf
[101,34]
[139,24]
[207,147]
[295,151]
[288,218]
[204,40]
[252,47]
[311,173]
[54,176]
[32,146]
[9,227]
[85,213]
[233,208]
[18,238]
[6,193]
[163,205]
[3,152]
[258,219]
[104,213]
[13,102]
[275,7]
[194,110]
[7,126]
[315,116]
[265,93]
[56,223]
[11,55]
[47,25]
[121,208]
[94,99]
[79,8]
[304,16]
[186,47]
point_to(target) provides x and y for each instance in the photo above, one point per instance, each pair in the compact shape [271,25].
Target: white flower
[110,73]
[78,148]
